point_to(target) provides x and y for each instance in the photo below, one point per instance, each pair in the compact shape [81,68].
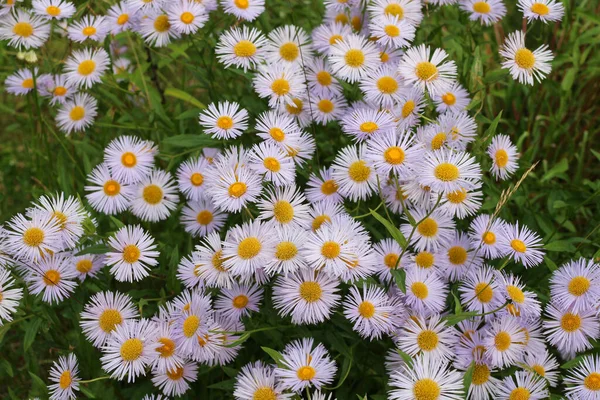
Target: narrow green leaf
[562,166]
[95,249]
[223,385]
[568,80]
[407,359]
[31,332]
[7,367]
[560,245]
[88,393]
[346,366]
[468,378]
[37,383]
[399,275]
[189,141]
[495,76]
[275,355]
[181,95]
[117,222]
[395,232]
[551,265]
[457,306]
[455,319]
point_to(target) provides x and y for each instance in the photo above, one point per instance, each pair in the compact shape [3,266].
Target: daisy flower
[366,123]
[409,10]
[130,348]
[425,292]
[89,27]
[20,83]
[32,239]
[504,155]
[382,88]
[425,260]
[191,323]
[392,31]
[210,266]
[86,67]
[328,108]
[239,301]
[576,285]
[355,176]
[277,128]
[483,384]
[191,178]
[487,12]
[68,214]
[243,47]
[154,197]
[523,384]
[157,30]
[170,356]
[288,44]
[9,296]
[224,120]
[455,99]
[64,376]
[133,253]
[388,253]
[432,231]
[571,332]
[53,9]
[256,380]
[280,83]
[53,277]
[392,153]
[427,378]
[326,35]
[22,30]
[103,313]
[77,114]
[460,129]
[324,212]
[504,342]
[308,296]
[86,265]
[446,171]
[544,10]
[186,17]
[353,58]
[299,110]
[287,258]
[145,6]
[320,78]
[522,302]
[409,107]
[122,17]
[584,380]
[369,312]
[285,206]
[331,249]
[105,193]
[269,160]
[322,187]
[176,381]
[200,218]
[544,364]
[457,257]
[479,291]
[427,336]
[485,234]
[462,203]
[248,10]
[129,159]
[426,71]
[305,365]
[525,65]
[60,90]
[523,245]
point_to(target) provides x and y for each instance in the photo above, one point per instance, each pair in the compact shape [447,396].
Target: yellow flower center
[501,158]
[539,370]
[285,251]
[53,11]
[249,248]
[175,374]
[280,87]
[427,340]
[368,127]
[162,24]
[355,58]
[306,373]
[84,266]
[123,18]
[515,294]
[394,9]
[579,285]
[330,250]
[132,349]
[438,141]
[424,259]
[27,83]
[388,85]
[392,30]
[356,23]
[502,341]
[457,255]
[240,301]
[457,197]
[449,99]
[204,217]
[482,7]
[484,292]
[320,220]
[244,48]
[420,290]
[446,172]
[272,164]
[384,57]
[289,51]
[77,113]
[428,227]
[426,389]
[112,188]
[51,277]
[481,374]
[324,78]
[187,17]
[217,261]
[390,260]
[152,194]
[408,108]
[86,67]
[197,179]
[359,171]
[592,381]
[264,393]
[225,122]
[540,9]
[519,393]
[518,245]
[190,325]
[329,187]
[277,134]
[283,211]
[237,189]
[570,322]
[296,108]
[326,106]
[109,319]
[489,238]
[310,291]
[23,29]
[394,155]
[131,253]
[129,159]
[243,4]
[65,380]
[426,71]
[33,237]
[168,347]
[366,309]
[89,31]
[60,91]
[525,58]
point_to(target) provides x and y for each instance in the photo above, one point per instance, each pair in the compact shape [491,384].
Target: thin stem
[100,378]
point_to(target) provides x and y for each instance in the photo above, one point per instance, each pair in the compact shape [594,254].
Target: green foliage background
[555,123]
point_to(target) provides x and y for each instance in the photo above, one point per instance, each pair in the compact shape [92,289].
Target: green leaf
[7,367]
[181,95]
[560,245]
[468,378]
[495,76]
[88,393]
[559,168]
[37,383]
[551,265]
[118,223]
[491,130]
[190,141]
[95,249]
[457,306]
[567,82]
[399,275]
[275,355]
[346,366]
[597,154]
[395,232]
[454,319]
[224,385]
[407,359]
[31,332]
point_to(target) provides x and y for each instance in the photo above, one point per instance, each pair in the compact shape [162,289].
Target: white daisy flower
[326,35]
[544,10]
[425,260]
[210,266]
[53,9]
[170,356]
[322,187]
[257,380]
[308,296]
[156,29]
[9,296]
[426,71]
[485,234]
[68,214]
[288,257]
[462,203]
[504,155]
[354,58]
[86,265]
[22,30]
[392,153]
[305,365]
[130,348]
[243,47]
[523,384]
[576,285]
[409,10]
[545,365]
[388,253]
[34,238]
[53,277]
[428,378]
[480,291]
[145,6]
[409,108]
[330,249]
[425,292]
[583,382]
[65,377]
[383,87]
[122,17]
[60,90]
[460,129]
[176,381]
[200,218]
[154,197]
[186,17]
[192,323]
[224,120]
[522,303]
[522,245]
[299,109]
[355,176]
[569,331]
[129,159]
[20,83]
[369,312]
[280,83]
[487,12]
[392,31]
[324,212]
[433,230]
[77,114]
[320,78]
[326,109]
[188,271]
[86,67]
[505,342]
[288,44]
[483,384]
[239,301]
[105,193]
[427,336]
[446,171]
[455,99]
[457,257]
[89,27]
[285,206]
[191,178]
[367,123]
[133,253]
[277,128]
[269,160]
[247,10]
[525,65]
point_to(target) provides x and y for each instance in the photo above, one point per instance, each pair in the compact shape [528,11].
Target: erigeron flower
[65,377]
[426,71]
[322,187]
[243,47]
[389,257]
[176,381]
[21,82]
[77,114]
[432,231]
[129,159]
[34,238]
[191,178]
[288,44]
[455,99]
[224,120]
[569,331]
[456,258]
[353,58]
[522,302]
[370,311]
[320,78]
[68,213]
[53,9]
[186,17]
[393,153]
[392,31]
[145,6]
[543,10]
[156,29]
[523,245]
[257,380]
[85,67]
[271,161]
[238,301]
[325,109]
[504,155]
[22,30]
[523,384]
[462,203]
[59,89]
[544,364]
[210,266]
[354,174]
[525,65]
[10,296]
[247,10]
[326,35]
[133,253]
[200,218]
[425,292]
[583,382]
[409,106]
[383,87]
[485,233]
[427,336]
[86,265]
[122,17]
[487,12]
[576,285]
[106,194]
[408,10]
[53,277]
[280,83]
[154,197]
[89,27]
[505,342]
[367,123]
[480,292]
